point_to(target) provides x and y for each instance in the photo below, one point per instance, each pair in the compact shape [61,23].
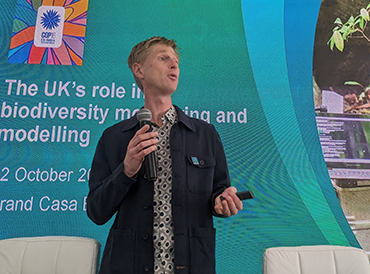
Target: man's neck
[158,107]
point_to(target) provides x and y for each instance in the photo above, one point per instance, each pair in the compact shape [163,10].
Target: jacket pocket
[119,253]
[200,172]
[202,250]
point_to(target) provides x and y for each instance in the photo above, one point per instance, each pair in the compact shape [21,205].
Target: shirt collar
[181,117]
[171,115]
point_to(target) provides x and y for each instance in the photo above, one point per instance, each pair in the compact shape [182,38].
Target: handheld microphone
[144,116]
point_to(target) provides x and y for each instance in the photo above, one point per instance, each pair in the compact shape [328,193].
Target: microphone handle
[151,166]
[150,163]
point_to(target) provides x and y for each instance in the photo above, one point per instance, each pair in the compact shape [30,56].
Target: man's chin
[171,89]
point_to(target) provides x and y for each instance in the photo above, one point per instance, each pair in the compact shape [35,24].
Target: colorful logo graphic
[50,19]
[49,27]
[48,32]
[195,160]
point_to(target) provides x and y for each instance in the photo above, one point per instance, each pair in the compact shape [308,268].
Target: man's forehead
[162,48]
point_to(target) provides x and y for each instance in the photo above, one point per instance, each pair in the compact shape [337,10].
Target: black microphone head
[144,114]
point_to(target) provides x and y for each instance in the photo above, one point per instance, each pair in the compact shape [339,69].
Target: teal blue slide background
[252,58]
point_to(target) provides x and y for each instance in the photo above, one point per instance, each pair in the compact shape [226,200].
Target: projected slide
[246,67]
[342,104]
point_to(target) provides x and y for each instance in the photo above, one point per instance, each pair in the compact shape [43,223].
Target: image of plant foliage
[353,28]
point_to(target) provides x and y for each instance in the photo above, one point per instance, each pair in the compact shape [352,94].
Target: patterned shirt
[163,238]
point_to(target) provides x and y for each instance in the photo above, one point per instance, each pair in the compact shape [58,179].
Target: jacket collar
[185,119]
[182,118]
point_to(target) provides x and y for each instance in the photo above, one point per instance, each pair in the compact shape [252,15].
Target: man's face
[160,70]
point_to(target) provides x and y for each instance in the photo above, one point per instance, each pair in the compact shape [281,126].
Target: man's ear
[136,69]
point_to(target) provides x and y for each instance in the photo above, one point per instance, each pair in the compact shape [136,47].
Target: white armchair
[46,255]
[321,259]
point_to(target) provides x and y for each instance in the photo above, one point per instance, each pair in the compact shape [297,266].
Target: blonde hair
[141,51]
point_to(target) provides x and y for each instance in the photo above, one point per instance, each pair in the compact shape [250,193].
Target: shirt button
[145,237]
[146,206]
[146,268]
[201,162]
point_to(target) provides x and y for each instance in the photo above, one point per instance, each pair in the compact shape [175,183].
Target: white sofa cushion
[49,255]
[321,259]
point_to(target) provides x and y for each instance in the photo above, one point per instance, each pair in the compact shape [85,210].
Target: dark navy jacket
[129,247]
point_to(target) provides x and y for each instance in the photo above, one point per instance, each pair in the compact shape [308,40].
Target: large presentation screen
[342,105]
[246,68]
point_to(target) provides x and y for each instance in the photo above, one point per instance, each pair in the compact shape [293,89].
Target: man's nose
[173,64]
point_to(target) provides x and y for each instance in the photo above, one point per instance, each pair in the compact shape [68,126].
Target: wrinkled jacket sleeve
[221,176]
[108,183]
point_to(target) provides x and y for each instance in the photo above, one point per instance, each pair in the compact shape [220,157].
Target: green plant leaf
[331,43]
[338,40]
[365,14]
[353,83]
[362,23]
[338,21]
[345,30]
[346,34]
[351,20]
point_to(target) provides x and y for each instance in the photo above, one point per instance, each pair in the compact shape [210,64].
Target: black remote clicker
[244,195]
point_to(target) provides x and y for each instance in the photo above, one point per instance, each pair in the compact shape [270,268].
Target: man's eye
[163,58]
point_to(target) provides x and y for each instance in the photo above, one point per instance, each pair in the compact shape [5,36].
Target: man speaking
[163,223]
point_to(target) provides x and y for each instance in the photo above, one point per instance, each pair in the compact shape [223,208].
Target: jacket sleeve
[221,174]
[107,185]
